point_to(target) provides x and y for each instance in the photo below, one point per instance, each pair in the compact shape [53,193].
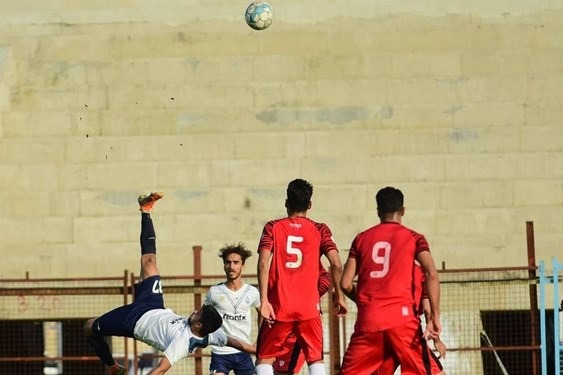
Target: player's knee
[148,259]
[148,263]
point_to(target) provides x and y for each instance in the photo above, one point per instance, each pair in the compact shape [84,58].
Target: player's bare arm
[260,318]
[347,280]
[433,326]
[336,274]
[219,338]
[163,366]
[438,343]
[241,345]
[266,309]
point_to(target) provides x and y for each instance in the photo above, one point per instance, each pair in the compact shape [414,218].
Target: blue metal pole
[556,337]
[543,337]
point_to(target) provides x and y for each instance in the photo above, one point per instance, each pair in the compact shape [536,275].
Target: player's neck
[297,214]
[392,218]
[235,284]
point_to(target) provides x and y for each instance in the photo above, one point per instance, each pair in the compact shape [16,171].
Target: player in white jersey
[147,320]
[234,300]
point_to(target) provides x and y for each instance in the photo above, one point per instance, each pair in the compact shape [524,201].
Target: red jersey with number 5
[385,256]
[296,244]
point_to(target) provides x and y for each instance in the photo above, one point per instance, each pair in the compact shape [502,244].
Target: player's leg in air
[121,321]
[148,236]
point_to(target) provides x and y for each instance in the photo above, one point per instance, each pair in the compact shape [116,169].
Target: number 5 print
[291,240]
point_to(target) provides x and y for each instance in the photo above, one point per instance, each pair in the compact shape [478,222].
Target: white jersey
[166,331]
[235,307]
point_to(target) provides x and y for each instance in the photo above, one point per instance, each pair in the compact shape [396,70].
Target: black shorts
[121,321]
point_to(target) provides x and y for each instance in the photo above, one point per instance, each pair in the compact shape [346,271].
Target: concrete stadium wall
[457,104]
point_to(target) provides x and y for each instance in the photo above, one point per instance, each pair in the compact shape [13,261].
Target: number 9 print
[380,259]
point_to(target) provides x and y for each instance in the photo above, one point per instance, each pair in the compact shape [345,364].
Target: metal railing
[489,316]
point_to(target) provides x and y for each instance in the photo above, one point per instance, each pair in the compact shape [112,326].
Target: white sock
[264,369]
[316,369]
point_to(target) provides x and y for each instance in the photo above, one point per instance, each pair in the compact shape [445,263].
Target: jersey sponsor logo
[234,317]
[177,320]
[295,225]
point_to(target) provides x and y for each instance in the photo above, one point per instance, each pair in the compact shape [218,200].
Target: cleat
[117,370]
[146,202]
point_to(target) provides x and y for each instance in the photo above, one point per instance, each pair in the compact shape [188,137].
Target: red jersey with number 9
[385,257]
[296,244]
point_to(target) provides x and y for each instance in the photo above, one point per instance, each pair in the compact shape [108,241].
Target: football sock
[101,348]
[148,236]
[317,369]
[264,369]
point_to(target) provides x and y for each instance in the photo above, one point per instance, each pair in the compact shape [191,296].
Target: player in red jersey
[387,324]
[291,362]
[288,272]
[422,307]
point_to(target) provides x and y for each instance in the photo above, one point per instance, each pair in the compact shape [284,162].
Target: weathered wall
[457,104]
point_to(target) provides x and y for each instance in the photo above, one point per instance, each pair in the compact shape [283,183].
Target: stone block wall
[459,105]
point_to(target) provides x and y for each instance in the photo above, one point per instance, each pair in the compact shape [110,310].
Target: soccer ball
[259,15]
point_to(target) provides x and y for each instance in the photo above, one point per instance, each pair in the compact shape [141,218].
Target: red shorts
[308,334]
[292,361]
[368,351]
[390,366]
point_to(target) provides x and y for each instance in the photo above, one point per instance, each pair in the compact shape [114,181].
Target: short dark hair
[389,200]
[210,320]
[239,249]
[299,193]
